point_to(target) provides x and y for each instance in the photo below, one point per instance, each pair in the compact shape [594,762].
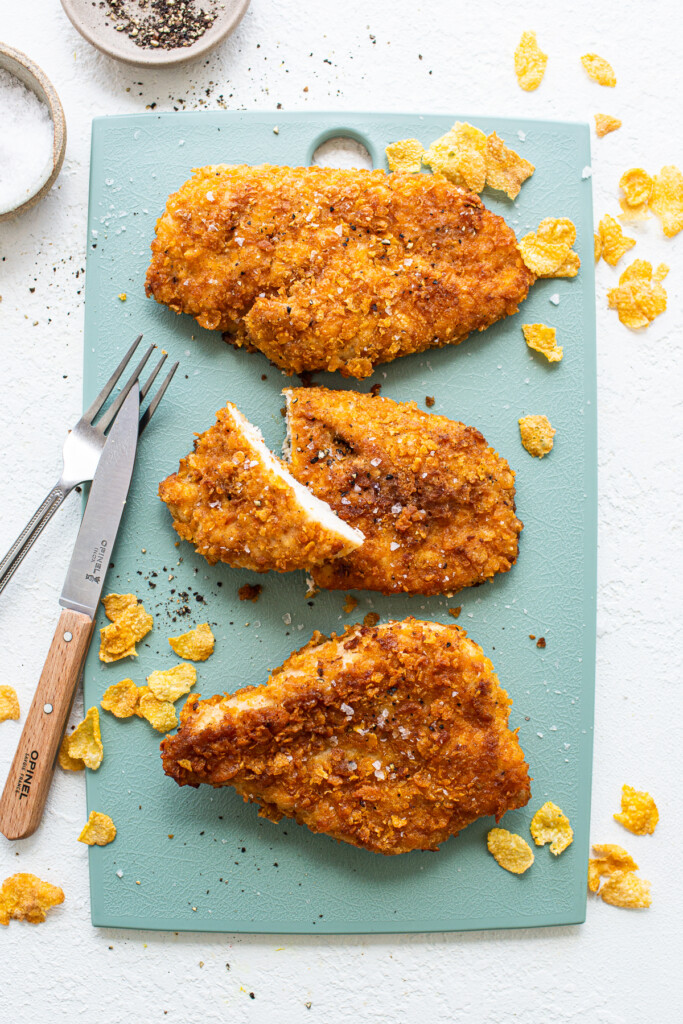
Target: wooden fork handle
[28,782]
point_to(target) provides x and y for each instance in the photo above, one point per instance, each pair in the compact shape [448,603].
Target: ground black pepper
[161,24]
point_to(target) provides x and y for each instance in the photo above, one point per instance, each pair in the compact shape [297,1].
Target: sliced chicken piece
[436,503]
[237,503]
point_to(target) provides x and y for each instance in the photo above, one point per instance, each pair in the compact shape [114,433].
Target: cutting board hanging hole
[342,151]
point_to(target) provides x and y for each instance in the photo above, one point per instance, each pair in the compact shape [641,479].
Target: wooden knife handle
[30,776]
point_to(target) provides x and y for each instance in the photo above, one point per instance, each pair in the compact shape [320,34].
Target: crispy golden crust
[235,508]
[436,504]
[390,738]
[324,269]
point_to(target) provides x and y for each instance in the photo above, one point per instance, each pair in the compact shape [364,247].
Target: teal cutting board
[201,859]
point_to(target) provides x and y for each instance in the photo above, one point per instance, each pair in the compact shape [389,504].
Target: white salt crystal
[26,142]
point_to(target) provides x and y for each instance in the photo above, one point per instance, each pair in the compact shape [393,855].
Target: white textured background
[620,967]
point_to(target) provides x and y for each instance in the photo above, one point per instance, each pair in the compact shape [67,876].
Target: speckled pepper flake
[160,24]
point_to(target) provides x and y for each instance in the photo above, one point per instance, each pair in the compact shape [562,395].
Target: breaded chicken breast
[391,738]
[237,503]
[324,269]
[436,504]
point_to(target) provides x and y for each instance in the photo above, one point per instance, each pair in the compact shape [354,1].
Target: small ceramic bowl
[35,79]
[93,22]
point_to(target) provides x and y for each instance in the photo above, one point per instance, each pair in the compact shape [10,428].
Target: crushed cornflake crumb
[599,69]
[544,340]
[510,851]
[85,742]
[405,156]
[640,296]
[623,887]
[548,251]
[129,624]
[605,123]
[25,897]
[537,435]
[666,201]
[9,703]
[100,830]
[196,645]
[172,683]
[530,62]
[550,825]
[613,243]
[121,699]
[639,812]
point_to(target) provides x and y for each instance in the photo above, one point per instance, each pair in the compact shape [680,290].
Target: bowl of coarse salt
[33,135]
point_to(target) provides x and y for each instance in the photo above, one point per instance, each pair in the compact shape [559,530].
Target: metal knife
[28,782]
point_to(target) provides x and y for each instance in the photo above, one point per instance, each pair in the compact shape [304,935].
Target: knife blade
[108,493]
[28,782]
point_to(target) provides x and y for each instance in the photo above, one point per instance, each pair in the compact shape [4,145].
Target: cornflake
[609,858]
[624,889]
[85,742]
[173,682]
[640,296]
[405,156]
[636,185]
[99,831]
[544,340]
[639,812]
[666,200]
[159,713]
[550,825]
[510,851]
[116,604]
[537,435]
[25,897]
[548,252]
[605,123]
[68,763]
[9,703]
[197,645]
[142,690]
[614,243]
[599,69]
[597,247]
[505,169]
[120,698]
[460,155]
[530,62]
[130,623]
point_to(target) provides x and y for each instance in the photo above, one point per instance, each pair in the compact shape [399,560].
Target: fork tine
[153,405]
[108,417]
[104,394]
[150,380]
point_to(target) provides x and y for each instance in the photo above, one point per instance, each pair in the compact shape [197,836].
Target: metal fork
[82,450]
